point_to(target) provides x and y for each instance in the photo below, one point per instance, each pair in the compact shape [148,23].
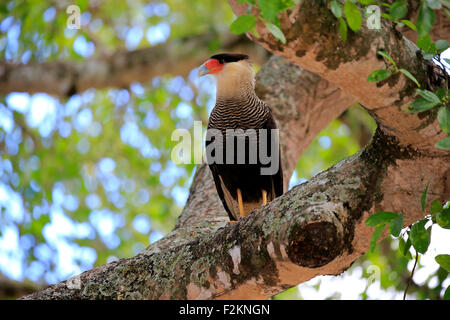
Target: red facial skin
[213,66]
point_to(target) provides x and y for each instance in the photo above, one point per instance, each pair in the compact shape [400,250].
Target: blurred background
[87,178]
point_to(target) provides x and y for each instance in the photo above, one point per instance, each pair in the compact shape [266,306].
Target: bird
[242,186]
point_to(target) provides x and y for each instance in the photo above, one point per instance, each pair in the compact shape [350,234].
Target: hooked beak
[202,70]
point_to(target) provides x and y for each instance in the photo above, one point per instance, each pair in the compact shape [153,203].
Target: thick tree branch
[314,43]
[316,228]
[64,79]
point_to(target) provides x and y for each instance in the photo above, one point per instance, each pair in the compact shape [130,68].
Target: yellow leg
[241,203]
[231,222]
[264,195]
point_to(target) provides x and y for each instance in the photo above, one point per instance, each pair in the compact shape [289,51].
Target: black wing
[277,179]
[219,189]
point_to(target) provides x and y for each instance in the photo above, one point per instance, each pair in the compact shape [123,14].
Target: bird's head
[233,72]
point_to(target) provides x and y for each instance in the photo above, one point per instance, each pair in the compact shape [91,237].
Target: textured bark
[64,79]
[316,228]
[314,43]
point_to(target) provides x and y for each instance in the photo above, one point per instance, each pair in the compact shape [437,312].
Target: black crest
[229,57]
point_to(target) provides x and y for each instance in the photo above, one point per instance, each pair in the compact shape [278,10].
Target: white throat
[235,79]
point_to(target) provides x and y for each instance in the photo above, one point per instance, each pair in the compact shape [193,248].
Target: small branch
[411,276]
[119,70]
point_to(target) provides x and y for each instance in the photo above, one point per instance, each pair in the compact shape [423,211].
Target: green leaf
[352,15]
[381,218]
[268,9]
[243,24]
[395,225]
[398,10]
[407,247]
[436,206]
[428,95]
[423,199]
[434,4]
[255,33]
[386,16]
[441,93]
[410,76]
[443,144]
[367,2]
[447,293]
[379,75]
[420,237]
[336,9]
[424,42]
[387,56]
[421,105]
[277,33]
[443,218]
[410,24]
[444,261]
[375,236]
[444,119]
[425,20]
[404,246]
[428,56]
[285,4]
[343,29]
[441,45]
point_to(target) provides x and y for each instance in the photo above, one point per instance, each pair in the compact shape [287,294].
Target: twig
[410,277]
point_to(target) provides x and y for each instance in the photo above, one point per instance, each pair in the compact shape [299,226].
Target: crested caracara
[242,147]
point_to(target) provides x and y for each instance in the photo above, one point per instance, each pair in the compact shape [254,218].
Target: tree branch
[314,43]
[119,70]
[316,228]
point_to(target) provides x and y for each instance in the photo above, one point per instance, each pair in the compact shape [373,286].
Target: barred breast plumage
[246,112]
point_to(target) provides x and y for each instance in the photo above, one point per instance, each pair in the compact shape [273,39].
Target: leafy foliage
[418,235]
[379,75]
[268,11]
[243,24]
[352,15]
[431,50]
[89,179]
